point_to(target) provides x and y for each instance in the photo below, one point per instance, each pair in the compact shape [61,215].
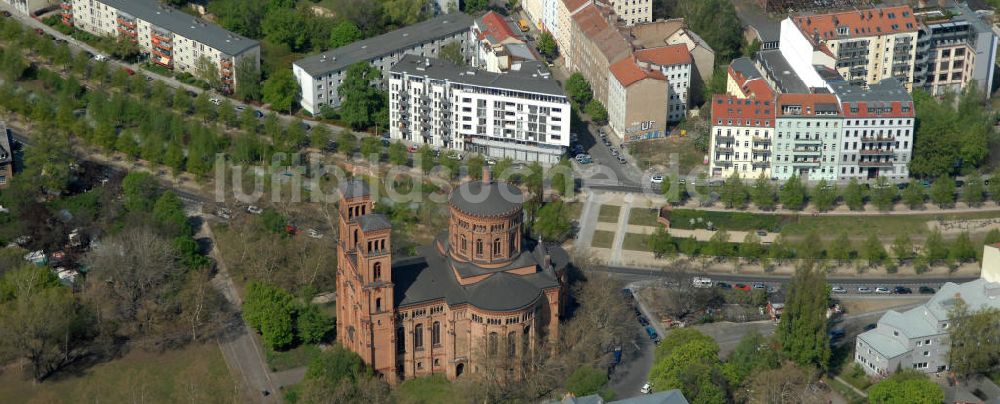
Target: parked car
[128,71]
[926,290]
[837,334]
[700,282]
[215,101]
[646,388]
[870,327]
[761,233]
[864,289]
[883,290]
[759,286]
[5,13]
[723,285]
[224,213]
[902,290]
[258,114]
[314,234]
[838,289]
[39,31]
[621,160]
[652,333]
[741,286]
[100,58]
[657,179]
[254,210]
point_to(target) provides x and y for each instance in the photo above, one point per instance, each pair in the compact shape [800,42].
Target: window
[479,247]
[377,271]
[436,333]
[378,304]
[400,340]
[511,344]
[491,345]
[496,247]
[418,336]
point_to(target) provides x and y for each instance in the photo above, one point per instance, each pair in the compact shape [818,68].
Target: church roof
[483,199]
[354,189]
[374,221]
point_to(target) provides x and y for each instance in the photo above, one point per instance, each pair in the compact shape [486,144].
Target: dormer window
[842,31]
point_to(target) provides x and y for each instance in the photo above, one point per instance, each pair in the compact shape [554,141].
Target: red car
[129,71]
[413,149]
[741,286]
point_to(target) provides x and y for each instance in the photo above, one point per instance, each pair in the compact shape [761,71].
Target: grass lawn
[603,239]
[609,213]
[195,374]
[426,390]
[658,152]
[846,392]
[683,219]
[292,358]
[644,217]
[574,209]
[636,242]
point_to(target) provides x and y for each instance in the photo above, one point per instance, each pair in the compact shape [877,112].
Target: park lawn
[196,374]
[292,358]
[644,217]
[658,152]
[636,242]
[574,209]
[888,226]
[730,221]
[603,239]
[609,213]
[426,390]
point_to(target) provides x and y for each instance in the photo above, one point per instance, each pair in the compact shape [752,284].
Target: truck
[523,24]
[652,333]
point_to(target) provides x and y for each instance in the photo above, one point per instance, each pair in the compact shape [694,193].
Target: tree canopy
[906,387]
[802,328]
[949,140]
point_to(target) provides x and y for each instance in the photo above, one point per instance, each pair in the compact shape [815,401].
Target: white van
[700,282]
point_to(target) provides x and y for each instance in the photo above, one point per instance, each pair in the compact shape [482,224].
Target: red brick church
[481,284]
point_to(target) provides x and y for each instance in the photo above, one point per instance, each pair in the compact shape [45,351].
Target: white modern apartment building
[633,12]
[169,37]
[807,133]
[522,114]
[877,131]
[30,7]
[955,47]
[918,338]
[320,75]
[742,136]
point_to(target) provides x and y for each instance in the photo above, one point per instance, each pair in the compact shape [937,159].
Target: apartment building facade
[807,133]
[955,47]
[676,65]
[169,37]
[863,46]
[30,7]
[6,157]
[558,21]
[319,76]
[637,100]
[877,131]
[742,136]
[633,12]
[522,114]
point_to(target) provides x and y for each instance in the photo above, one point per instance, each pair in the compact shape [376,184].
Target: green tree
[346,143]
[371,147]
[46,163]
[553,222]
[343,33]
[974,336]
[547,46]
[884,194]
[949,140]
[579,89]
[943,192]
[281,90]
[270,310]
[935,249]
[452,52]
[751,248]
[992,237]
[320,136]
[689,360]
[902,247]
[974,191]
[840,249]
[661,243]
[397,154]
[909,387]
[733,192]
[208,71]
[962,249]
[427,159]
[586,380]
[854,195]
[168,213]
[873,251]
[336,365]
[718,245]
[762,193]
[823,196]
[311,325]
[362,102]
[473,6]
[994,186]
[227,113]
[753,354]
[140,191]
[248,87]
[597,112]
[802,329]
[284,26]
[47,327]
[793,194]
[913,196]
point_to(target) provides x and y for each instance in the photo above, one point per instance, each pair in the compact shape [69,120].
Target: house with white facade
[807,134]
[742,136]
[319,76]
[877,136]
[522,114]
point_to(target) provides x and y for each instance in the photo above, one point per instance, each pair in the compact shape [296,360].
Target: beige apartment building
[169,37]
[633,12]
[560,24]
[598,44]
[637,100]
[742,136]
[864,46]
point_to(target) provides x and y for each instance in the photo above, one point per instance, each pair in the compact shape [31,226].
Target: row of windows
[417,338]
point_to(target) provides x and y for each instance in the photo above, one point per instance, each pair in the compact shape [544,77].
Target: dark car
[723,285]
[926,290]
[870,327]
[837,334]
[902,290]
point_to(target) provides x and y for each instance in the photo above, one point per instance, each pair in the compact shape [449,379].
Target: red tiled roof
[496,26]
[665,55]
[895,109]
[808,102]
[572,5]
[758,88]
[735,111]
[859,23]
[738,77]
[628,72]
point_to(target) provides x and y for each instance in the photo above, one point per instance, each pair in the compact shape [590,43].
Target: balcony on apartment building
[761,164]
[724,163]
[874,139]
[727,148]
[761,140]
[809,140]
[725,138]
[805,161]
[874,163]
[877,152]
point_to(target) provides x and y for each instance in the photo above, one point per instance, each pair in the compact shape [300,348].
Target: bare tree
[787,384]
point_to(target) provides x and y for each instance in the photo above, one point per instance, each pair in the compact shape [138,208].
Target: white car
[100,58]
[215,101]
[883,291]
[838,289]
[657,179]
[315,234]
[864,289]
[254,209]
[646,388]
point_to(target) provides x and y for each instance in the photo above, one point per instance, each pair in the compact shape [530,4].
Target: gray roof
[569,399]
[6,152]
[429,277]
[977,294]
[520,50]
[769,30]
[333,60]
[661,397]
[354,189]
[887,90]
[912,323]
[374,221]
[885,345]
[184,24]
[496,198]
[532,77]
[778,69]
[746,67]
